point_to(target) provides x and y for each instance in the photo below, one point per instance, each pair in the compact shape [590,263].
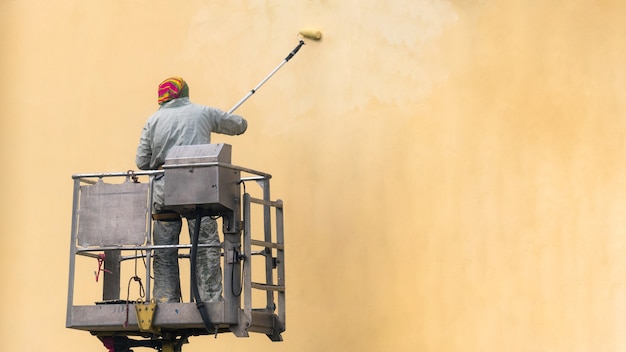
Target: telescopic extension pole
[291,54]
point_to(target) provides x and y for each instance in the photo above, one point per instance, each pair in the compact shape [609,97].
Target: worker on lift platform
[178,122]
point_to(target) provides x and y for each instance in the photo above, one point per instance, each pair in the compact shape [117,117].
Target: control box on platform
[201,177]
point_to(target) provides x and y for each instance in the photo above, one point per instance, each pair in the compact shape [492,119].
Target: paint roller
[310,33]
[307,33]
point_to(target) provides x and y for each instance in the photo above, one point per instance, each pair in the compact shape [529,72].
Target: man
[181,122]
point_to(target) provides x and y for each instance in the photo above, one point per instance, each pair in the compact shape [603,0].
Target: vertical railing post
[280,258]
[149,238]
[72,265]
[267,229]
[111,281]
[232,263]
[247,264]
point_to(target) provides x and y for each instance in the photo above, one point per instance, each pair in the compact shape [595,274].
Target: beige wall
[452,170]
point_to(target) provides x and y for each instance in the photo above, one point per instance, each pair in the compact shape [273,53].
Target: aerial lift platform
[111,233]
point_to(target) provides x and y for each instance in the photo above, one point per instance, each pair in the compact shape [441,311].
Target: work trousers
[165,263]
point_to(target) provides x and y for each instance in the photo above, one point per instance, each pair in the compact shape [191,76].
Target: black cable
[204,313]
[232,274]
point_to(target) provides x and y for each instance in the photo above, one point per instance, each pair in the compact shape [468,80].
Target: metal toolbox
[200,177]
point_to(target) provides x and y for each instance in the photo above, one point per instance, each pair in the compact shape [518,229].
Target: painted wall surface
[452,170]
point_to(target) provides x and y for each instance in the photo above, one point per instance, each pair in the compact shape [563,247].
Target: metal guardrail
[111,315]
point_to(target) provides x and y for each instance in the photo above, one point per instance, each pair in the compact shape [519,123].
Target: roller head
[311,34]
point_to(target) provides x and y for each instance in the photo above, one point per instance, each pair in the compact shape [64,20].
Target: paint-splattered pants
[165,264]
